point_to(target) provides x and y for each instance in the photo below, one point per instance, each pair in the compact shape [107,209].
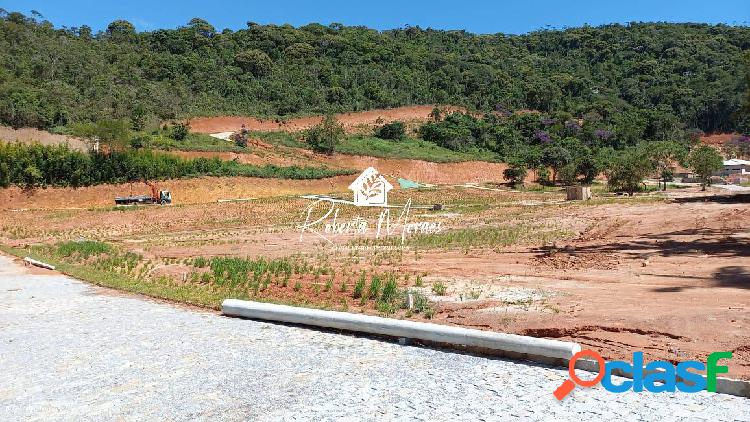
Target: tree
[114,132]
[32,177]
[436,114]
[556,157]
[394,130]
[325,136]
[628,170]
[138,118]
[202,27]
[180,131]
[743,115]
[121,29]
[515,174]
[704,161]
[254,61]
[664,155]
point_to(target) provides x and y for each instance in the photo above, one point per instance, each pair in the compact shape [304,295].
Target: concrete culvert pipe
[515,344]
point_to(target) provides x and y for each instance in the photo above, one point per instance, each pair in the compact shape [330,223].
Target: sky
[478,16]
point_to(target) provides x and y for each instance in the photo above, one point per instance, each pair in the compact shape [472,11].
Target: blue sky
[479,16]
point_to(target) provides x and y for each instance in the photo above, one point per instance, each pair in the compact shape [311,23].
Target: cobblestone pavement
[69,351]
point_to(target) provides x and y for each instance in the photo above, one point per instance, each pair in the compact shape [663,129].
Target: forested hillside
[669,75]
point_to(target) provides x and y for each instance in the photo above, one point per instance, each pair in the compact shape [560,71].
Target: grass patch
[194,142]
[409,148]
[471,238]
[84,249]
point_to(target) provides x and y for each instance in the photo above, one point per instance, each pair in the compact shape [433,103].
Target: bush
[393,131]
[180,131]
[515,174]
[568,174]
[140,141]
[439,288]
[325,136]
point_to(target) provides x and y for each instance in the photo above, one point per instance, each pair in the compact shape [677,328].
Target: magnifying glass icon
[569,384]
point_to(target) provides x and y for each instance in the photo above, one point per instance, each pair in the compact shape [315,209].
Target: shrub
[515,174]
[439,288]
[359,287]
[179,131]
[325,136]
[393,131]
[375,286]
[542,175]
[140,141]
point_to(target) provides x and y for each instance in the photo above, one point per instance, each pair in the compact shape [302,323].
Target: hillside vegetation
[32,166]
[686,76]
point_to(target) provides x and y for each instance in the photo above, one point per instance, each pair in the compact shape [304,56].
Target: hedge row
[58,165]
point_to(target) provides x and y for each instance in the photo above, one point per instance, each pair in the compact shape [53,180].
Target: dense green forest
[658,77]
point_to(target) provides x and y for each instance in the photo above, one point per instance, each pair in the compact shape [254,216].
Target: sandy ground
[350,121]
[30,135]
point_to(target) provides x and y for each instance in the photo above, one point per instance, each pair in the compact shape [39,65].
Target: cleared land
[666,274]
[351,121]
[176,364]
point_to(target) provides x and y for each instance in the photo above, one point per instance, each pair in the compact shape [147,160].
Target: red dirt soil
[30,135]
[350,121]
[717,139]
[420,171]
[186,191]
[210,189]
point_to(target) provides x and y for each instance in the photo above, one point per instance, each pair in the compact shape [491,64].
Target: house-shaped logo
[370,189]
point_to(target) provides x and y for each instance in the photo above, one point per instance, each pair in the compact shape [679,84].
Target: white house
[735,166]
[370,188]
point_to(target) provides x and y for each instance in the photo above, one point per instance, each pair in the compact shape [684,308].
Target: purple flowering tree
[542,136]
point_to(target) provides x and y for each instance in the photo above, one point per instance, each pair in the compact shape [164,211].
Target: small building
[735,167]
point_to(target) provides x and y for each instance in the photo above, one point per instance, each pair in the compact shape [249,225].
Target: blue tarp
[408,184]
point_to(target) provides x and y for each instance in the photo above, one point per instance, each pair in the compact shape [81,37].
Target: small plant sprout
[439,288]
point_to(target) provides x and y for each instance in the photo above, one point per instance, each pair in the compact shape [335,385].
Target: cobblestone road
[69,351]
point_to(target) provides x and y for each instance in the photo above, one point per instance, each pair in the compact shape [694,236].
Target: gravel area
[70,351]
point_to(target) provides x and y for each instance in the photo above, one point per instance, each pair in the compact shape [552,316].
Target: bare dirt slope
[672,280]
[186,191]
[350,121]
[31,135]
[211,189]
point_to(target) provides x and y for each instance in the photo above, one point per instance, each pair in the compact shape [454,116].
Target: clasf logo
[658,376]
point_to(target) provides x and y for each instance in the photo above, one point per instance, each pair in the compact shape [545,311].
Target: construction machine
[161,197]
